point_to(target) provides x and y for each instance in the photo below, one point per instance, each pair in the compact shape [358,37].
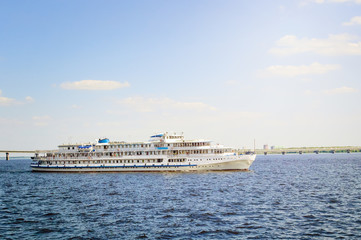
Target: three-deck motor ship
[163,152]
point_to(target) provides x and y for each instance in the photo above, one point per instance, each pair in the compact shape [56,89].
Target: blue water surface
[309,196]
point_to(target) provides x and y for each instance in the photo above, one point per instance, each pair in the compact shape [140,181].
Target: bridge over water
[302,150]
[7,152]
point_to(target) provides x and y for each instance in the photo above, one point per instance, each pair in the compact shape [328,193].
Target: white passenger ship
[163,152]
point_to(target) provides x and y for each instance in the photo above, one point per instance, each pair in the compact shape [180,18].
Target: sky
[283,73]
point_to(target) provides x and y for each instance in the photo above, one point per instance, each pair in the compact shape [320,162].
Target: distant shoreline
[306,150]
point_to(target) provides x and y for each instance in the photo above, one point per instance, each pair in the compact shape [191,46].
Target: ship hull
[241,164]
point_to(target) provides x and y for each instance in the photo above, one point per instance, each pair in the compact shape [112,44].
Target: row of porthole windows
[183,144]
[115,161]
[102,161]
[177,160]
[165,166]
[119,154]
[117,146]
[148,146]
[128,146]
[122,161]
[207,166]
[208,159]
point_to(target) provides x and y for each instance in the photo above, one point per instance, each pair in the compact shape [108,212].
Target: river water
[306,196]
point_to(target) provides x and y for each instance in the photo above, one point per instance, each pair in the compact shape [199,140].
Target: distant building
[265,147]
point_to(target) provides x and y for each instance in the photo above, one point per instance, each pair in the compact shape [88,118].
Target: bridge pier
[7,156]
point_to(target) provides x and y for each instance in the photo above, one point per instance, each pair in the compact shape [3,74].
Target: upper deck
[162,141]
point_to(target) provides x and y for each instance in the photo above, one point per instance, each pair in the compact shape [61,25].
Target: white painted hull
[242,163]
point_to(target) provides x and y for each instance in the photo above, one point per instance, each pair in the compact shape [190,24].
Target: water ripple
[283,197]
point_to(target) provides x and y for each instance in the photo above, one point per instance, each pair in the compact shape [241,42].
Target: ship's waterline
[163,152]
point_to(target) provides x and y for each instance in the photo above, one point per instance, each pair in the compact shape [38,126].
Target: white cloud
[293,71]
[75,106]
[354,21]
[334,45]
[141,104]
[5,101]
[41,120]
[29,99]
[93,85]
[341,90]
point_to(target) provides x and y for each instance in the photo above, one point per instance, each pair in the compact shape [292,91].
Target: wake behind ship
[163,152]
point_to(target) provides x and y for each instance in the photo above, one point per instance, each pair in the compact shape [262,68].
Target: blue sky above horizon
[286,73]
